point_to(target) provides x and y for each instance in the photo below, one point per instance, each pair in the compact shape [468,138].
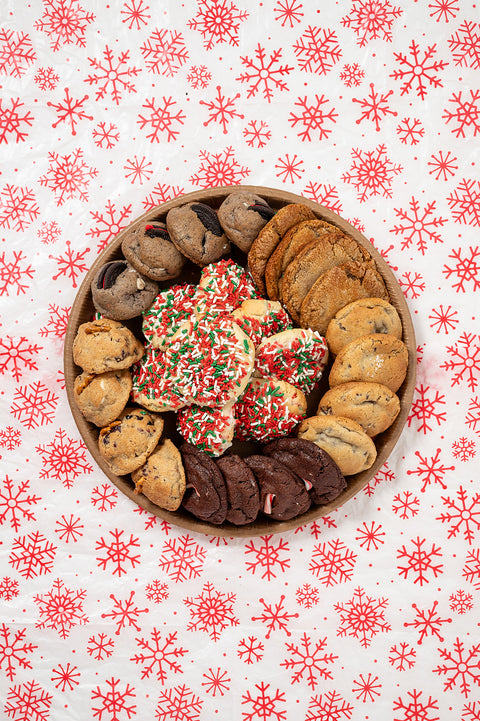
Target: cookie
[321,475]
[170,309]
[223,286]
[210,429]
[268,408]
[335,288]
[242,490]
[270,236]
[376,358]
[121,292]
[152,384]
[105,345]
[101,398]
[196,232]
[260,318]
[205,495]
[149,250]
[242,215]
[162,478]
[126,443]
[362,317]
[371,405]
[282,494]
[297,355]
[343,439]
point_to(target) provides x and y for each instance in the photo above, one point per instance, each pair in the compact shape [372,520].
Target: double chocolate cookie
[242,490]
[282,494]
[205,495]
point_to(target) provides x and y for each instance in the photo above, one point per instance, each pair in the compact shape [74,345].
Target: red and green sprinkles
[152,381]
[258,328]
[226,285]
[263,412]
[170,309]
[210,429]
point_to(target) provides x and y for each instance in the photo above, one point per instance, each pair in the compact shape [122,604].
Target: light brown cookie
[101,398]
[150,251]
[270,236]
[371,405]
[126,443]
[242,215]
[362,317]
[105,345]
[335,288]
[195,230]
[343,439]
[162,478]
[375,358]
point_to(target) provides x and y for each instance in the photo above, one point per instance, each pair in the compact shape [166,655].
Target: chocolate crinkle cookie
[196,232]
[150,251]
[242,490]
[205,495]
[121,292]
[242,216]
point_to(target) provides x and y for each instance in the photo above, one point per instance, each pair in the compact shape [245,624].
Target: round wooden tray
[83,311]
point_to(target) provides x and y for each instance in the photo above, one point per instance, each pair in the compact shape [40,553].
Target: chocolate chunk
[205,496]
[242,490]
[282,494]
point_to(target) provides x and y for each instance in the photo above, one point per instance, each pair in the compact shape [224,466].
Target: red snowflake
[424,409]
[370,536]
[138,169]
[63,459]
[464,449]
[463,514]
[288,11]
[406,505]
[10,438]
[216,681]
[309,659]
[444,9]
[70,110]
[158,655]
[69,529]
[324,194]
[471,569]
[410,131]
[46,78]
[374,106]
[415,707]
[313,118]
[8,588]
[329,706]
[250,650]
[222,109]
[420,561]
[125,613]
[135,13]
[263,704]
[164,52]
[218,21]
[465,361]
[402,656]
[104,497]
[12,122]
[182,558]
[65,678]
[275,616]
[113,700]
[15,502]
[418,71]
[432,470]
[366,688]
[443,165]
[317,50]
[32,555]
[461,665]
[199,76]
[211,611]
[333,562]
[461,602]
[157,591]
[257,133]
[100,647]
[12,273]
[162,119]
[65,22]
[16,52]
[371,173]
[267,557]
[13,650]
[105,135]
[465,203]
[178,704]
[472,418]
[471,712]
[49,232]
[112,76]
[464,45]
[465,114]
[61,608]
[352,75]
[218,169]
[419,225]
[71,264]
[68,176]
[108,223]
[34,405]
[307,595]
[118,552]
[57,322]
[443,319]
[161,193]
[427,622]
[264,73]
[15,356]
[371,20]
[28,702]
[18,207]
[362,617]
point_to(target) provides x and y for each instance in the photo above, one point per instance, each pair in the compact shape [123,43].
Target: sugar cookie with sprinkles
[210,360]
[269,408]
[297,355]
[226,285]
[152,385]
[260,318]
[170,309]
[210,429]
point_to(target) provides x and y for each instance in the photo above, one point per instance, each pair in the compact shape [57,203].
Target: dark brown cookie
[282,494]
[121,292]
[242,215]
[149,250]
[321,475]
[242,490]
[206,495]
[195,230]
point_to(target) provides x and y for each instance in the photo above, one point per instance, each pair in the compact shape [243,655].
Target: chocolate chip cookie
[162,478]
[105,345]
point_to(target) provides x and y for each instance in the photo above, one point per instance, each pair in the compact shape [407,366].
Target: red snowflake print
[46,78]
[68,176]
[317,50]
[461,602]
[118,552]
[135,12]
[410,131]
[307,595]
[465,114]
[427,622]
[264,73]
[105,136]
[13,650]
[65,22]
[464,45]
[267,557]
[114,701]
[221,109]
[371,173]
[104,497]
[34,405]
[465,361]
[374,107]
[70,110]
[219,169]
[443,165]
[71,264]
[461,665]
[424,409]
[32,555]
[12,273]
[329,706]
[161,193]
[218,21]
[419,561]
[464,449]
[471,569]
[352,75]
[8,588]
[16,53]
[15,502]
[402,656]
[61,608]
[250,650]
[257,133]
[65,678]
[125,613]
[199,77]
[211,611]
[69,529]
[18,207]
[309,659]
[182,558]
[288,12]
[164,52]
[178,703]
[158,655]
[313,118]
[108,223]
[413,706]
[385,474]
[431,470]
[15,356]
[57,322]
[370,536]
[371,20]
[362,617]
[64,459]
[264,704]
[463,514]
[10,438]
[49,232]
[275,617]
[333,562]
[366,688]
[112,75]
[12,122]
[157,591]
[471,712]
[472,418]
[465,204]
[162,119]
[216,681]
[100,647]
[324,194]
[418,71]
[418,225]
[444,10]
[138,169]
[443,319]
[316,527]
[406,505]
[28,701]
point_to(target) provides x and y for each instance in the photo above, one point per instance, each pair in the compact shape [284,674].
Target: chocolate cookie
[121,292]
[126,443]
[101,398]
[242,215]
[162,478]
[105,345]
[282,494]
[321,475]
[362,317]
[242,490]
[149,250]
[206,495]
[372,405]
[195,230]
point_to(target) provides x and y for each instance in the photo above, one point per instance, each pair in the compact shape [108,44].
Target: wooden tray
[83,310]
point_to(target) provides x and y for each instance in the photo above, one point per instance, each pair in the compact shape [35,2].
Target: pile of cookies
[235,357]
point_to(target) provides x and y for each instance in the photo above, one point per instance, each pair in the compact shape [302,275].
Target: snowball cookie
[372,405]
[149,250]
[162,478]
[195,230]
[105,345]
[362,317]
[101,398]
[242,215]
[126,443]
[121,292]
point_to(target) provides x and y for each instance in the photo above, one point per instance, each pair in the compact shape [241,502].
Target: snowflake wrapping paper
[108,109]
